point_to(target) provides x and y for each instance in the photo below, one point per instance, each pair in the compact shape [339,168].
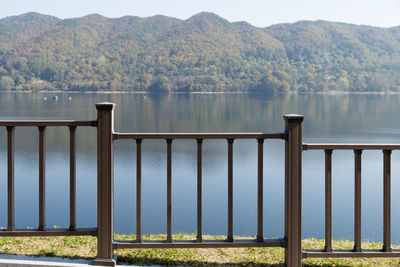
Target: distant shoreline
[203,93]
[121,92]
[352,93]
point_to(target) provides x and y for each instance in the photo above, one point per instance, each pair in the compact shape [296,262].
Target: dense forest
[200,54]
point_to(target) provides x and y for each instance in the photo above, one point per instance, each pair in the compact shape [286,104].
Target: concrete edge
[7,260]
[39,263]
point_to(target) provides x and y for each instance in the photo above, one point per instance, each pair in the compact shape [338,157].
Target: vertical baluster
[287,199]
[10,180]
[230,190]
[386,201]
[169,189]
[357,200]
[328,200]
[72,178]
[42,179]
[199,190]
[260,233]
[138,190]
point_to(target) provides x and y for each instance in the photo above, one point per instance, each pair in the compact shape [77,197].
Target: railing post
[105,184]
[293,162]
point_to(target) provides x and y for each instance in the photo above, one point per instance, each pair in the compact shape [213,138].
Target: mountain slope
[202,53]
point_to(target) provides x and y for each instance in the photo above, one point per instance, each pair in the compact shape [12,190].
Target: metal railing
[42,230]
[357,250]
[106,138]
[291,241]
[199,137]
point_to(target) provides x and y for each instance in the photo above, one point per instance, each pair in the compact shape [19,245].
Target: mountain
[202,53]
[31,17]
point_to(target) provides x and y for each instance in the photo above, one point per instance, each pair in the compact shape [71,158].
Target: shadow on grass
[168,262]
[134,260]
[151,261]
[325,265]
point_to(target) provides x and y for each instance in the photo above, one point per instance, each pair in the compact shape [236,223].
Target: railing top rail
[199,136]
[337,146]
[39,123]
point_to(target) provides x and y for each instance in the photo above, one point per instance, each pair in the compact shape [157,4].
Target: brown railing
[106,137]
[293,190]
[199,137]
[357,250]
[41,230]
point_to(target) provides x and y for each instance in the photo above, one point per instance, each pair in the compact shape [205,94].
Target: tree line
[201,54]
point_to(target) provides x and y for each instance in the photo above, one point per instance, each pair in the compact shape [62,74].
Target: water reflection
[342,118]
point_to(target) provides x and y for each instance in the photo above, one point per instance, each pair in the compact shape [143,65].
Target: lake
[328,118]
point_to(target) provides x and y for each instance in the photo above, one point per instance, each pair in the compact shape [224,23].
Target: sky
[261,13]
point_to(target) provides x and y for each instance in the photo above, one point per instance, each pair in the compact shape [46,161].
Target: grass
[85,247]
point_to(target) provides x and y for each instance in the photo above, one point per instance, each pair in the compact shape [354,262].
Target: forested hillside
[202,53]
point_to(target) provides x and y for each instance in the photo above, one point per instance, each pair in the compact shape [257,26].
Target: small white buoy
[69,98]
[44,98]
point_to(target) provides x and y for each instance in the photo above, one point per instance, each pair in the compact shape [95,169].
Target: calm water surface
[346,118]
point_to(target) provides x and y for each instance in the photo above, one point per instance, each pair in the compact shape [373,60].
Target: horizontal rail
[52,232]
[333,146]
[196,244]
[44,123]
[198,136]
[370,253]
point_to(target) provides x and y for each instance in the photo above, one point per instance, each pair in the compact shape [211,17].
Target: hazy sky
[384,13]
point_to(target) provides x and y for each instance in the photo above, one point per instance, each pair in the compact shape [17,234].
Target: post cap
[105,106]
[293,117]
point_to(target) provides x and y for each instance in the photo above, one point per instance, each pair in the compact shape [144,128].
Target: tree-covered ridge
[202,53]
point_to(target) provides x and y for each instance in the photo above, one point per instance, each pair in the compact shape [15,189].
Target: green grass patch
[86,247]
